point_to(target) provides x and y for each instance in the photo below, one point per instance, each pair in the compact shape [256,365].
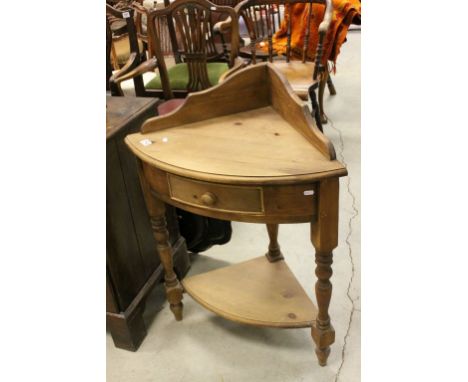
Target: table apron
[244,203]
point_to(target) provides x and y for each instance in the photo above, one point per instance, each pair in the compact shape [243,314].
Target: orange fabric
[344,13]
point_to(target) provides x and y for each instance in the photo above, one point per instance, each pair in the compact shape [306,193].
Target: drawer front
[216,196]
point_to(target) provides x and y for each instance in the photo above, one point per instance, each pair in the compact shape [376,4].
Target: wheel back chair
[263,19]
[199,61]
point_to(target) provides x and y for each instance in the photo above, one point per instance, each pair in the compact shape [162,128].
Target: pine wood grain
[252,127]
[254,292]
[253,143]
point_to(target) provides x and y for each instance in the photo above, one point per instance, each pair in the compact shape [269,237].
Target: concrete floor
[204,347]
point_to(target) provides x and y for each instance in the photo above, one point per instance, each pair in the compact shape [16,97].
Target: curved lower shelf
[254,292]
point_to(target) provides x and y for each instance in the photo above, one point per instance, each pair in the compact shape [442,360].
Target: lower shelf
[254,292]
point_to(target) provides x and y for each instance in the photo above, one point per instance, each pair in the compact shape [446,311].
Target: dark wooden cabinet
[133,265]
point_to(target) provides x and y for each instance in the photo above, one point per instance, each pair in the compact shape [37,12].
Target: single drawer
[216,196]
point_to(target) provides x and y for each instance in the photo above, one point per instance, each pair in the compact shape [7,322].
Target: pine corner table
[246,150]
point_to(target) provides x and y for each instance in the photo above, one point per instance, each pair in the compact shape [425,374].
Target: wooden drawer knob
[208,199]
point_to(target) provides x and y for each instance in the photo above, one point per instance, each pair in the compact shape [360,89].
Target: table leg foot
[323,338]
[174,296]
[177,310]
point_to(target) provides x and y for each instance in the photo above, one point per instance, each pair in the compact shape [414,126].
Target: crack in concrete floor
[348,243]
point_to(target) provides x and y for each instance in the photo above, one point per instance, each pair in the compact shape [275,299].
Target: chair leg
[331,87]
[139,86]
[315,108]
[323,82]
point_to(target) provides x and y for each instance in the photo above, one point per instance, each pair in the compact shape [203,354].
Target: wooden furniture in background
[199,63]
[200,232]
[126,50]
[108,54]
[263,18]
[247,150]
[133,266]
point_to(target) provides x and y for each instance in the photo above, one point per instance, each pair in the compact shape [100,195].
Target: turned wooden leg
[324,238]
[157,212]
[274,251]
[174,289]
[323,82]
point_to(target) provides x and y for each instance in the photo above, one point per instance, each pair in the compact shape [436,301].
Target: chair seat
[169,106]
[298,74]
[179,76]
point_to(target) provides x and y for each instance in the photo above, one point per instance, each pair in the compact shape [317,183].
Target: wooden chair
[218,18]
[127,62]
[263,19]
[142,27]
[199,62]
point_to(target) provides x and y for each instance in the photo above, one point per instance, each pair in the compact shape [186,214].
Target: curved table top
[270,141]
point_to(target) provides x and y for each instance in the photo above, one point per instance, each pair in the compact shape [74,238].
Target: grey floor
[204,347]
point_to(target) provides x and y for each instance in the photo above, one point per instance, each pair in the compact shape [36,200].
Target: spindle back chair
[264,18]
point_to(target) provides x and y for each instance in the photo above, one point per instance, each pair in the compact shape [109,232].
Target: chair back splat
[195,35]
[191,27]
